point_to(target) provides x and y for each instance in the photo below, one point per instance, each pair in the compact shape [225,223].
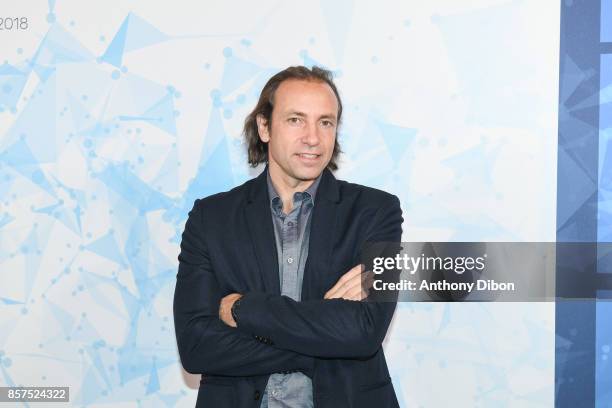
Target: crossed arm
[332,327]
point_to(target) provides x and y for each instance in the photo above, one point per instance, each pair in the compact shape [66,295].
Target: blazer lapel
[261,229]
[322,234]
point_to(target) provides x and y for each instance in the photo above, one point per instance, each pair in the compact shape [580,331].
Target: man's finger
[333,292]
[356,289]
[351,289]
[354,271]
[357,280]
[344,290]
[356,293]
[341,289]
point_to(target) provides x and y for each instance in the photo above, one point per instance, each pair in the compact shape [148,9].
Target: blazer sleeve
[205,344]
[332,328]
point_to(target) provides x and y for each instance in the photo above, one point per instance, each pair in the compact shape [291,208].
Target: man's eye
[327,123]
[294,120]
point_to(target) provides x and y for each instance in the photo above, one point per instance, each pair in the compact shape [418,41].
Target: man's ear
[262,128]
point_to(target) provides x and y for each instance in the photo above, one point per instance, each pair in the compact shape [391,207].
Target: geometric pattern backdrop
[116,116]
[584,201]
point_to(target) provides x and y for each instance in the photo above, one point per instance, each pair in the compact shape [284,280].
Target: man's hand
[353,285]
[225,309]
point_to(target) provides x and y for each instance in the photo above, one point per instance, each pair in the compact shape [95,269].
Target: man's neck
[286,186]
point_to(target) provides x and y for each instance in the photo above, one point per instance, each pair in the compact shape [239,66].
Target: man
[269,303]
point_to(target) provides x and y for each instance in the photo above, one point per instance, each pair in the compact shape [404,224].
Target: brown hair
[258,150]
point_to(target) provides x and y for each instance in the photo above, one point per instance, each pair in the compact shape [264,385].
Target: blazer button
[257,395]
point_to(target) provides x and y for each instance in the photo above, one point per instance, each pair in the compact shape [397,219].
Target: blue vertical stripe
[577,196]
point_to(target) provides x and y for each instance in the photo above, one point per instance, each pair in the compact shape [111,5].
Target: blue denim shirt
[292,233]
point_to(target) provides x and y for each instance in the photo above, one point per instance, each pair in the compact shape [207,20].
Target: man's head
[295,123]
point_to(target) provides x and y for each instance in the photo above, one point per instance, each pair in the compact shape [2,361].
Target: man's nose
[311,135]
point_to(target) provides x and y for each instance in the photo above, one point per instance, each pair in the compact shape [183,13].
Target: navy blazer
[228,246]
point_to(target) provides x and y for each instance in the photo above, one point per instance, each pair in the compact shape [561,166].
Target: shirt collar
[310,191]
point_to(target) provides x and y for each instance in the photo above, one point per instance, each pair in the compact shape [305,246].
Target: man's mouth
[308,155]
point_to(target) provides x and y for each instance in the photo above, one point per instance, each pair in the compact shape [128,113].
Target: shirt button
[257,395]
[289,260]
[290,224]
[275,393]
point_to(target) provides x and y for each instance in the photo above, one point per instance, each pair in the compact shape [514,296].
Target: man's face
[302,132]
